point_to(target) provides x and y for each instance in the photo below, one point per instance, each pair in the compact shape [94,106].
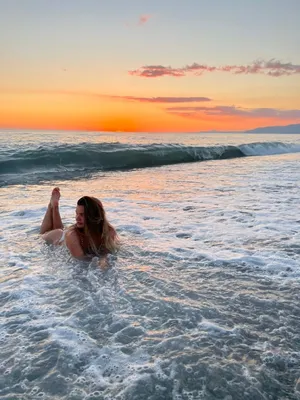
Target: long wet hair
[98,236]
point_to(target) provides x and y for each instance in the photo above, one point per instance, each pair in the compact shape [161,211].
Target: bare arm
[73,244]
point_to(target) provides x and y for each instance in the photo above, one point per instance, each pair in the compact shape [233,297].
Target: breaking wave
[47,162]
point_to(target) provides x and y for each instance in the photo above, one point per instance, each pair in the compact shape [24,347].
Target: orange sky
[75,112]
[186,68]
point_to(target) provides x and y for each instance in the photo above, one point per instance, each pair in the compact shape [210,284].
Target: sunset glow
[93,68]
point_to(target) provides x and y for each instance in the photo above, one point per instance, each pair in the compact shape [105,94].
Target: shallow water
[202,301]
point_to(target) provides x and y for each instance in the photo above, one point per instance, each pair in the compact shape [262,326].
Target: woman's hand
[103,263]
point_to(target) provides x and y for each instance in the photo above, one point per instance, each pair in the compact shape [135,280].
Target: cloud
[163,99]
[155,71]
[144,18]
[222,111]
[73,93]
[273,68]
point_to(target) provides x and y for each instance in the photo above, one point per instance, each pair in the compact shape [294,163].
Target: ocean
[201,302]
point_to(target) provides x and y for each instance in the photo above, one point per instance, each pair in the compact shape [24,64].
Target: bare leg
[53,237]
[57,222]
[52,218]
[47,223]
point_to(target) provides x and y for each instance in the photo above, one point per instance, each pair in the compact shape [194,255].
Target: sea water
[202,300]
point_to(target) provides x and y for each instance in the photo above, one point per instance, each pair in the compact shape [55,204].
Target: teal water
[201,302]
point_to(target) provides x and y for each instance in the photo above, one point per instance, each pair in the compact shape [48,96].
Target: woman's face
[80,220]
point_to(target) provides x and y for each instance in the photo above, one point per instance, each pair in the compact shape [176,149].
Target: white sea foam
[203,294]
[264,149]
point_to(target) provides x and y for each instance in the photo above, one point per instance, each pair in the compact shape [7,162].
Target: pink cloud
[144,18]
[273,68]
[154,71]
[197,112]
[164,99]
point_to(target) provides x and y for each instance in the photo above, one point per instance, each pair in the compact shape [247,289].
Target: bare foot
[55,196]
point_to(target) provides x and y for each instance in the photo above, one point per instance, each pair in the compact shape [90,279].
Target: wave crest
[45,162]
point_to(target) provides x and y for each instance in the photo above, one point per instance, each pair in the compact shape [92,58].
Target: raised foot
[55,196]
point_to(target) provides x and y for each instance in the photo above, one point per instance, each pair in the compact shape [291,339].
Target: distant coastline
[285,129]
[294,128]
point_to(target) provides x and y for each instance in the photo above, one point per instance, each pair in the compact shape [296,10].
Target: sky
[149,66]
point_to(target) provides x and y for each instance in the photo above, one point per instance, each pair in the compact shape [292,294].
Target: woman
[92,235]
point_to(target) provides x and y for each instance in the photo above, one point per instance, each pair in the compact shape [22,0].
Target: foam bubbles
[201,301]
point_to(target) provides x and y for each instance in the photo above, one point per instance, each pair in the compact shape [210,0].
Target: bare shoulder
[71,235]
[73,243]
[71,232]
